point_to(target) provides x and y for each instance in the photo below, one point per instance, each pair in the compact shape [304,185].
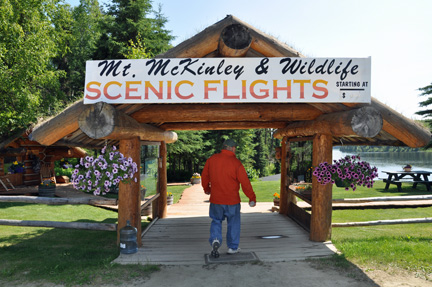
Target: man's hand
[207,192]
[252,203]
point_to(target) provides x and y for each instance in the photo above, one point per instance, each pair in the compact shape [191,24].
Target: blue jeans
[218,213]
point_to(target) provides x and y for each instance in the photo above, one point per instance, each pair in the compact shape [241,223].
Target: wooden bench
[399,182]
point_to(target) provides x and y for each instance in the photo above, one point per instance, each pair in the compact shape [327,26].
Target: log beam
[63,124]
[222,126]
[364,122]
[225,112]
[206,42]
[234,41]
[129,202]
[320,229]
[406,130]
[102,120]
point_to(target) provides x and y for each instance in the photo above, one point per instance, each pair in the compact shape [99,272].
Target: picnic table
[414,176]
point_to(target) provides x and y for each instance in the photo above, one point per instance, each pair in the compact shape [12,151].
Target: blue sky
[397,35]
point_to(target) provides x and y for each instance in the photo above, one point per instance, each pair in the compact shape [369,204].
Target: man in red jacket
[221,178]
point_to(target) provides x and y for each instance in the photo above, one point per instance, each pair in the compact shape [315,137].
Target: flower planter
[170,200]
[195,180]
[341,183]
[276,202]
[46,191]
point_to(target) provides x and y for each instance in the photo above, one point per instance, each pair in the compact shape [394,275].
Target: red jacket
[222,175]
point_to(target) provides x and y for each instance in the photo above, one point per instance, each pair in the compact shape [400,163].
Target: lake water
[392,161]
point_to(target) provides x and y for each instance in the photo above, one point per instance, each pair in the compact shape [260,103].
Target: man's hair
[229,143]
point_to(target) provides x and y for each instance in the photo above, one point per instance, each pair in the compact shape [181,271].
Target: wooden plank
[300,216]
[175,241]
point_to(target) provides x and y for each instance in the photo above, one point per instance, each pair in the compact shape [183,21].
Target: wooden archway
[327,123]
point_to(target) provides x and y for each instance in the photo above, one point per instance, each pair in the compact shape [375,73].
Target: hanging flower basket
[348,172]
[16,167]
[99,175]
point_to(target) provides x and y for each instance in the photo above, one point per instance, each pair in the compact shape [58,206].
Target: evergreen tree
[427,114]
[186,155]
[130,22]
[262,153]
[85,32]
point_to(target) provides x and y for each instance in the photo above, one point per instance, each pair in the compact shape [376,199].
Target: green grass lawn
[265,189]
[73,257]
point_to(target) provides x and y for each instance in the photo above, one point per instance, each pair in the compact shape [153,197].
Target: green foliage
[427,113]
[29,82]
[186,155]
[44,46]
[301,160]
[358,149]
[129,29]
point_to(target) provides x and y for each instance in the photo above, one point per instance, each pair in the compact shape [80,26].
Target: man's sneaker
[215,246]
[233,251]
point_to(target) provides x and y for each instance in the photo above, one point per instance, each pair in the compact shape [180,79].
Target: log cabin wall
[2,172]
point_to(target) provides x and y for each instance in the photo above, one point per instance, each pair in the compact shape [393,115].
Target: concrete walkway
[194,202]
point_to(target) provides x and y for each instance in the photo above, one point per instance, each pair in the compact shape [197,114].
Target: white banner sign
[229,80]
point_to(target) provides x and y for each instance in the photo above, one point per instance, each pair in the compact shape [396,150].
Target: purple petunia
[349,169]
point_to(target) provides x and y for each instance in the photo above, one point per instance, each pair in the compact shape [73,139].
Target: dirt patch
[294,273]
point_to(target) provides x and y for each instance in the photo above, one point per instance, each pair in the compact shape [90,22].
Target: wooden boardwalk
[182,238]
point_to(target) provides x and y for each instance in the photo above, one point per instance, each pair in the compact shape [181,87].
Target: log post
[129,202]
[234,41]
[102,120]
[320,229]
[162,200]
[283,204]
